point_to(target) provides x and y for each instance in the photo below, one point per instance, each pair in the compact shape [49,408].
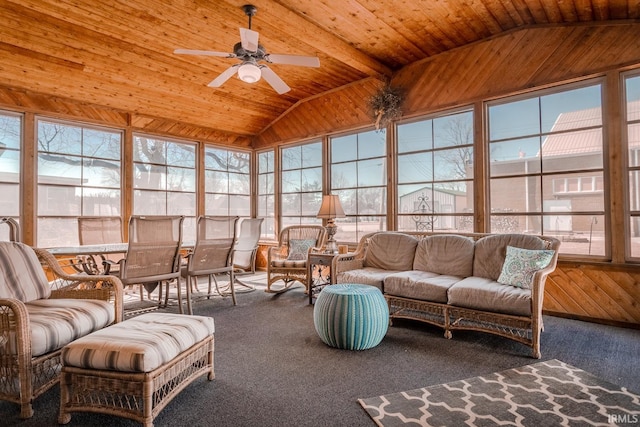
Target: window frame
[543,175]
[240,211]
[310,219]
[350,216]
[630,213]
[189,225]
[270,226]
[61,228]
[4,232]
[463,219]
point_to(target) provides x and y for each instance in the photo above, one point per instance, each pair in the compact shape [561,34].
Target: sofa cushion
[445,254]
[421,285]
[485,294]
[57,322]
[491,251]
[139,344]
[366,276]
[21,275]
[391,251]
[520,265]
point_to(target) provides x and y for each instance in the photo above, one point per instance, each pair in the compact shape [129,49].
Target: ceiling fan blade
[276,82]
[249,39]
[203,52]
[226,75]
[305,61]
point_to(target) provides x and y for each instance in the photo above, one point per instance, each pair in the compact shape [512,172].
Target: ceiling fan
[251,53]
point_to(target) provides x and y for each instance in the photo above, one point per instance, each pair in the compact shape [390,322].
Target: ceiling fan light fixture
[249,73]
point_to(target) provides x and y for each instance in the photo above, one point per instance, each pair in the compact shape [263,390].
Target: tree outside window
[165,180]
[79,169]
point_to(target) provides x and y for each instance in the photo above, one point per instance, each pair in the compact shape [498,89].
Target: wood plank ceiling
[119,53]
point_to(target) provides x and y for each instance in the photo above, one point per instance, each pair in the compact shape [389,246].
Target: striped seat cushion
[21,275]
[57,322]
[140,344]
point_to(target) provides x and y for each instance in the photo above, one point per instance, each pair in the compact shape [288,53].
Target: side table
[319,273]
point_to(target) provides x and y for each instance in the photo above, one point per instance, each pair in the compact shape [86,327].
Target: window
[435,174]
[632,92]
[546,168]
[227,182]
[266,193]
[10,143]
[79,171]
[301,193]
[165,180]
[358,177]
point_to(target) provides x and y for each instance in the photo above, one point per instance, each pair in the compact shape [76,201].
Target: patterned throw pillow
[521,264]
[298,248]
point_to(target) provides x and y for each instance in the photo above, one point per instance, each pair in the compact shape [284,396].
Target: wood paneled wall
[37,103]
[521,60]
[342,109]
[608,293]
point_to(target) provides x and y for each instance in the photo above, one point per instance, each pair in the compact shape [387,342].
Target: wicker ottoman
[134,368]
[351,316]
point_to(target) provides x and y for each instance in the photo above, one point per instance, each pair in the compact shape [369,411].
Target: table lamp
[331,209]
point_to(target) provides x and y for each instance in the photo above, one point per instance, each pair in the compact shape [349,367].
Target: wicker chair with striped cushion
[42,309]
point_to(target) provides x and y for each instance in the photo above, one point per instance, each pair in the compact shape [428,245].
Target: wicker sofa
[41,313]
[485,282]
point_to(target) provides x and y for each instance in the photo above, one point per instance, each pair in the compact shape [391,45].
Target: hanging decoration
[386,105]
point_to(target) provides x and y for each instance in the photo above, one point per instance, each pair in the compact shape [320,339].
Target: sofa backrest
[21,274]
[391,250]
[445,254]
[490,252]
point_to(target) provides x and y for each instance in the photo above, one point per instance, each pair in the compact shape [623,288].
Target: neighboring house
[423,202]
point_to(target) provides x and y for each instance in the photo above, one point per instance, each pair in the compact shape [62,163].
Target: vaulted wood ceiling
[119,53]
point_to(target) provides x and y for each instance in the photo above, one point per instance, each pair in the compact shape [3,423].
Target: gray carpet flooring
[273,370]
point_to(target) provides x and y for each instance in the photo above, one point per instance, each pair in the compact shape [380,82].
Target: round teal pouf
[350,316]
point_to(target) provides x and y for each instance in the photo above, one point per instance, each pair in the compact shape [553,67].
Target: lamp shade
[249,73]
[331,207]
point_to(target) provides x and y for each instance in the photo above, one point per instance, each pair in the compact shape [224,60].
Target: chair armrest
[14,325]
[276,252]
[64,285]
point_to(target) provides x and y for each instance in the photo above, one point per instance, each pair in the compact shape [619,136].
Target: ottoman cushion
[139,344]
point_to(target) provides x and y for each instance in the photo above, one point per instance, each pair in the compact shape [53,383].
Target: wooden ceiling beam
[298,27]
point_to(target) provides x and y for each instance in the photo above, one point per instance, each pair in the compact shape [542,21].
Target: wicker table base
[139,396]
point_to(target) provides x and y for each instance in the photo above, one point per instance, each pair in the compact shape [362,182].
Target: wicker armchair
[42,309]
[288,260]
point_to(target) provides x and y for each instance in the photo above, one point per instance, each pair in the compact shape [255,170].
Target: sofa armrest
[346,262]
[539,280]
[14,326]
[82,286]
[351,260]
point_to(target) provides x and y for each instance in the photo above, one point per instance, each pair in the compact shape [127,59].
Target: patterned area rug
[548,393]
